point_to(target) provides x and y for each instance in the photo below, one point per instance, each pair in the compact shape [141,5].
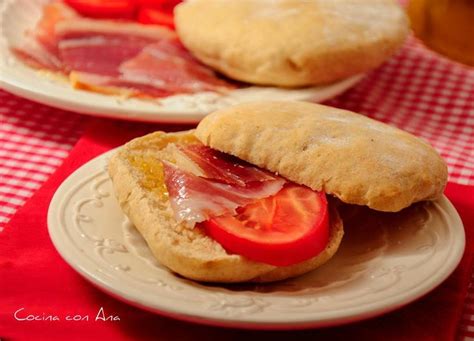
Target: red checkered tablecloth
[34,140]
[415,90]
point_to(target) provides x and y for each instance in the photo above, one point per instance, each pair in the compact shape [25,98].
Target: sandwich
[252,194]
[291,43]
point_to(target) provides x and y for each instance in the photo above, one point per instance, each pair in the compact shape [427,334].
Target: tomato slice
[104,8]
[284,229]
[165,5]
[154,16]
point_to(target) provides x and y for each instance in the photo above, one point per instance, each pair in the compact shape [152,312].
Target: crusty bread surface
[137,176]
[291,43]
[359,160]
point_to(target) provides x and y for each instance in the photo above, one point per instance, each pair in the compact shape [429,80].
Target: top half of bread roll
[359,160]
[291,43]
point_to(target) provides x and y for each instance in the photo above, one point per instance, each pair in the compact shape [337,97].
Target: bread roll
[359,160]
[291,43]
[137,178]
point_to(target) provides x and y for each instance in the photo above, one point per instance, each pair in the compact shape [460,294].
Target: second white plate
[385,261]
[17,16]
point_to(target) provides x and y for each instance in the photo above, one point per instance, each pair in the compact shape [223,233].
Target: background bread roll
[291,43]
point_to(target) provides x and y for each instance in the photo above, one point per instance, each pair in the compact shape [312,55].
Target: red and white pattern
[34,140]
[426,95]
[415,90]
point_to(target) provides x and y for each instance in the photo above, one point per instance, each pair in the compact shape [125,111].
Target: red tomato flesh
[153,16]
[164,5]
[287,228]
[104,8]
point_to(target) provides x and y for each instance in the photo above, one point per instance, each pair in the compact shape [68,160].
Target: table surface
[415,90]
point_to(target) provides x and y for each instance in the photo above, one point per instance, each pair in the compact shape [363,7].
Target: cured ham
[53,14]
[36,55]
[214,184]
[160,69]
[195,199]
[39,47]
[114,85]
[101,46]
[223,167]
[167,65]
[115,57]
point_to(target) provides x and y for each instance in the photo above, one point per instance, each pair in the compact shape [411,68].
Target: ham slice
[53,14]
[115,57]
[166,64]
[39,47]
[160,69]
[224,167]
[197,198]
[36,55]
[101,46]
[143,60]
[114,85]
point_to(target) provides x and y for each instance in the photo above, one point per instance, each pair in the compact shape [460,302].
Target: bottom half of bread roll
[187,251]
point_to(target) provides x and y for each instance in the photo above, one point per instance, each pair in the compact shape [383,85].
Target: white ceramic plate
[384,262]
[16,77]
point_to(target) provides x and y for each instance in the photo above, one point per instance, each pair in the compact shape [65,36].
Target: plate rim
[351,315]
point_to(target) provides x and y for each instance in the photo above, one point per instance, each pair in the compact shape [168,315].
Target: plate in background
[18,78]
